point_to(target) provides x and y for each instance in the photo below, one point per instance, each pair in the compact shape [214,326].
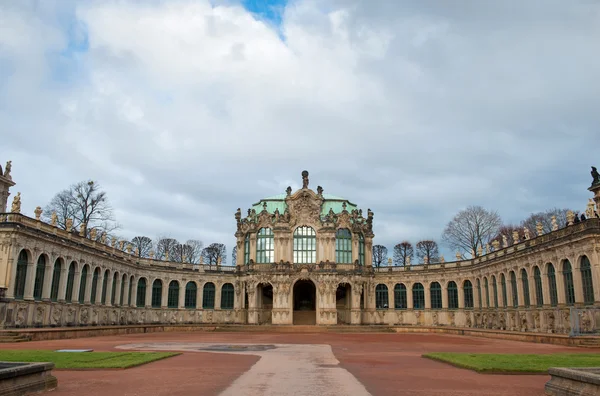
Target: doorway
[264,303]
[305,303]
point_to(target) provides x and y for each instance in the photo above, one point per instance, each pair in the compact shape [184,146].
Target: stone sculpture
[38,212]
[595,176]
[554,224]
[54,219]
[69,225]
[539,229]
[7,170]
[16,205]
[304,179]
[526,232]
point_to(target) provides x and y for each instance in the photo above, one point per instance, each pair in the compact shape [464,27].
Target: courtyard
[300,363]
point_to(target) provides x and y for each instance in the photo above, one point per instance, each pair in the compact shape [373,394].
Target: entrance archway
[305,303]
[264,303]
[343,303]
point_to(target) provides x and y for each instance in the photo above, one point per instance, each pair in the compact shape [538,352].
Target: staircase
[305,318]
[6,337]
[589,343]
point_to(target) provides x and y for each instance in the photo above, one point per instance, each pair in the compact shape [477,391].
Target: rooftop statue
[8,168]
[16,205]
[304,179]
[595,176]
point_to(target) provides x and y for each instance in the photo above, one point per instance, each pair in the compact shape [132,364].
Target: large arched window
[361,249]
[452,295]
[515,291]
[478,283]
[141,293]
[504,295]
[21,275]
[55,280]
[525,281]
[305,245]
[95,280]
[69,297]
[227,293]
[435,291]
[157,293]
[586,281]
[82,284]
[418,292]
[246,249]
[265,250]
[537,279]
[569,287]
[468,292]
[104,286]
[400,296]
[191,291]
[208,296]
[495,290]
[40,270]
[552,284]
[113,292]
[173,296]
[343,246]
[381,296]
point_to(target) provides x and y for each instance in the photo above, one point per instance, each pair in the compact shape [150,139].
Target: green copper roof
[278,202]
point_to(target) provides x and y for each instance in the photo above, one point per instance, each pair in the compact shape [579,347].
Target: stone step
[13,337]
[305,329]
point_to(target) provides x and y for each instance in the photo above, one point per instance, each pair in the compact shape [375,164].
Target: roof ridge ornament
[304,179]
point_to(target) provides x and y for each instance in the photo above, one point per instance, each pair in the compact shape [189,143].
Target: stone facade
[300,255]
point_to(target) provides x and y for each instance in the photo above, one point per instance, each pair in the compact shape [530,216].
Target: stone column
[109,289]
[461,295]
[545,286]
[532,293]
[560,286]
[99,288]
[149,294]
[164,299]
[218,287]
[181,302]
[427,291]
[62,285]
[476,292]
[12,270]
[76,285]
[126,293]
[118,290]
[577,282]
[521,291]
[253,246]
[444,296]
[200,297]
[48,273]
[88,288]
[29,281]
[133,291]
[409,296]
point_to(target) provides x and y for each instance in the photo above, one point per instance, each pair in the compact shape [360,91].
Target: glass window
[305,245]
[265,246]
[21,275]
[495,289]
[569,287]
[343,246]
[436,295]
[525,281]
[40,271]
[452,295]
[227,293]
[141,293]
[418,296]
[246,249]
[95,280]
[173,297]
[400,296]
[468,291]
[586,281]
[381,297]
[552,285]
[156,293]
[208,296]
[55,280]
[70,281]
[82,284]
[361,249]
[504,295]
[515,291]
[191,291]
[539,295]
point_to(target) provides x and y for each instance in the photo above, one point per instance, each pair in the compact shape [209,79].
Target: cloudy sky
[185,110]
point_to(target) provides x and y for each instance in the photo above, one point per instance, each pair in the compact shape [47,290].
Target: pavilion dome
[329,202]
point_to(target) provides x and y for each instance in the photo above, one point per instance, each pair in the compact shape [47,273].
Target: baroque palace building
[303,257]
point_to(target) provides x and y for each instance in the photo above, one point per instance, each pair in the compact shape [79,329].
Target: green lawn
[72,360]
[517,363]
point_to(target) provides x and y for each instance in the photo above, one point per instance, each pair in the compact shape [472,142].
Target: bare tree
[165,248]
[234,257]
[86,204]
[188,252]
[379,255]
[402,252]
[472,228]
[213,252]
[143,244]
[546,219]
[507,231]
[427,251]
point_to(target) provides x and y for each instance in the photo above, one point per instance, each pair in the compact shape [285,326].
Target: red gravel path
[387,364]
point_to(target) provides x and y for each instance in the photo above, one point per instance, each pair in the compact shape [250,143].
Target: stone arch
[305,301]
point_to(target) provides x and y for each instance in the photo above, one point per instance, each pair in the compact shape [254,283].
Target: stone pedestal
[5,185]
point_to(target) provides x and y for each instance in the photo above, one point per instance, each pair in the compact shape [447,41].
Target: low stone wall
[573,382]
[18,379]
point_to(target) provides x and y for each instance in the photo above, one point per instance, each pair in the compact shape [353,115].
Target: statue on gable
[276,214]
[264,206]
[304,179]
[238,215]
[319,190]
[288,191]
[7,170]
[16,204]
[595,176]
[286,215]
[54,219]
[527,233]
[554,224]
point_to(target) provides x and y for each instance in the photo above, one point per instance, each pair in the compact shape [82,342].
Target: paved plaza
[295,363]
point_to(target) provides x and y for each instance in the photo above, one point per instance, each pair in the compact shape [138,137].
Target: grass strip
[515,363]
[84,360]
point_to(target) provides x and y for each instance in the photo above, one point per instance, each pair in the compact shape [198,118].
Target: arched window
[191,291]
[265,251]
[173,297]
[246,249]
[227,294]
[418,296]
[435,290]
[104,286]
[69,297]
[95,280]
[537,278]
[495,290]
[141,293]
[55,280]
[400,296]
[208,296]
[343,246]
[131,286]
[504,295]
[452,295]
[468,291]
[586,281]
[305,245]
[479,293]
[361,249]
[21,275]
[40,271]
[569,287]
[552,285]
[156,293]
[525,281]
[123,281]
[515,291]
[113,292]
[82,284]
[487,292]
[381,296]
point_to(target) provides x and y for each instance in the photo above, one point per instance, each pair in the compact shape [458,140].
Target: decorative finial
[304,179]
[265,205]
[54,219]
[38,212]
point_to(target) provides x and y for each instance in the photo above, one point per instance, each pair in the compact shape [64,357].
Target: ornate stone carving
[54,219]
[554,224]
[38,212]
[16,204]
[539,229]
[7,170]
[69,225]
[93,234]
